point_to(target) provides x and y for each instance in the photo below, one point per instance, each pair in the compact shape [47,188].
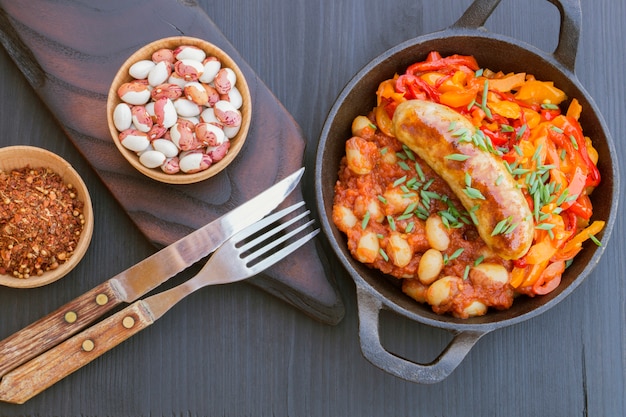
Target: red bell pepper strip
[415,87]
[434,63]
[572,128]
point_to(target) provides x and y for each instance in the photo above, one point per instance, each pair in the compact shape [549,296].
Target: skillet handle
[571,20]
[369,311]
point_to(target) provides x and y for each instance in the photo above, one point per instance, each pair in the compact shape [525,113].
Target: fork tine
[282,254]
[261,224]
[274,243]
[256,241]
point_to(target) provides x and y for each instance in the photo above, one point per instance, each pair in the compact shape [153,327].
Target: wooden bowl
[236,143]
[16,157]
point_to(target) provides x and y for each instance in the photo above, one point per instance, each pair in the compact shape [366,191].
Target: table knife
[139,279]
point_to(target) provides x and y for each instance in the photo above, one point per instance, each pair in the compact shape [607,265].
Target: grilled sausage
[488,190]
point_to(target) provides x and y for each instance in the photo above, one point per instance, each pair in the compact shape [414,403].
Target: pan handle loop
[369,312]
[569,34]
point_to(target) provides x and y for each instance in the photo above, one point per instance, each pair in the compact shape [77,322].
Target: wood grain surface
[239,351]
[71,71]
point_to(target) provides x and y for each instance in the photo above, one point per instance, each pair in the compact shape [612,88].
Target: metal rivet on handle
[88,345]
[71,316]
[102,299]
[128,322]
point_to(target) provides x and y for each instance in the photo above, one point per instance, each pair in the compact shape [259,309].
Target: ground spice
[41,220]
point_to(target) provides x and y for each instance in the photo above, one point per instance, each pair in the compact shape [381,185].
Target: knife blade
[139,279]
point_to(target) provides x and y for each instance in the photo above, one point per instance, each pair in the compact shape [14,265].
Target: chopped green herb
[521,131]
[544,226]
[473,193]
[409,227]
[404,166]
[472,214]
[409,152]
[484,101]
[466,272]
[479,260]
[573,140]
[468,179]
[382,199]
[457,157]
[383,254]
[392,223]
[366,220]
[549,106]
[410,208]
[499,179]
[456,253]
[556,129]
[419,171]
[399,181]
[507,128]
[594,239]
[501,226]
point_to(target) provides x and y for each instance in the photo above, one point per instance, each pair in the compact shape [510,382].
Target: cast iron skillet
[375,291]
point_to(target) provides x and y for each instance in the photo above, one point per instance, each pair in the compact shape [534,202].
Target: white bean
[430,266]
[152,159]
[141,69]
[475,308]
[415,289]
[399,250]
[344,218]
[357,160]
[436,233]
[122,117]
[367,248]
[494,273]
[441,290]
[360,124]
[396,200]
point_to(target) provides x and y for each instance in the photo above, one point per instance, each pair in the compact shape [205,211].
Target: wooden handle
[57,326]
[31,378]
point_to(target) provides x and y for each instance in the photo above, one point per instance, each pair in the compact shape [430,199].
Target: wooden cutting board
[69,52]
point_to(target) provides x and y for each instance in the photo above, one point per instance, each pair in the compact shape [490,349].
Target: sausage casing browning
[428,129]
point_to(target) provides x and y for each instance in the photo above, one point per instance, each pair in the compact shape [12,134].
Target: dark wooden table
[238,351]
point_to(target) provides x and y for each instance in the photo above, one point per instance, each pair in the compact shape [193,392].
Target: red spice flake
[41,220]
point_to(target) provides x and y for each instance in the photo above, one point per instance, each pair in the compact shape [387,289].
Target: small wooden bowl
[16,157]
[236,143]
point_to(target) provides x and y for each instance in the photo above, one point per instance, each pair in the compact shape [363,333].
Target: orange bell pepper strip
[591,230]
[540,92]
[574,110]
[534,273]
[540,252]
[508,82]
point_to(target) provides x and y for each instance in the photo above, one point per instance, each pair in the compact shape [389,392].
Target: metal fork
[246,254]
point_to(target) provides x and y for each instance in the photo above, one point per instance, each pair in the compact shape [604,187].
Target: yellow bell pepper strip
[540,92]
[577,241]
